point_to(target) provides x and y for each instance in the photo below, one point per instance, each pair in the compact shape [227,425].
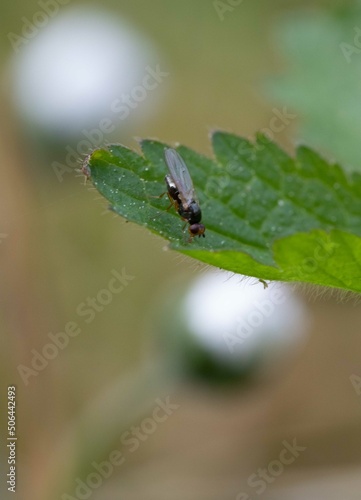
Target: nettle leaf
[266,214]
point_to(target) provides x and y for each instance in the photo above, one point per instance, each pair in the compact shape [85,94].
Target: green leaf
[321,80]
[266,214]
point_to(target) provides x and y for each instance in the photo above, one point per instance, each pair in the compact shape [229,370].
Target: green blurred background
[61,245]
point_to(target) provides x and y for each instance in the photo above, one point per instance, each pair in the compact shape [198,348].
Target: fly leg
[173,203]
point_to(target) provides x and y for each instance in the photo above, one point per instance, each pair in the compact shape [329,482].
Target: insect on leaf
[266,214]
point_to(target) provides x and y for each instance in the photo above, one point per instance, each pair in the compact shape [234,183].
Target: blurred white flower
[68,75]
[237,321]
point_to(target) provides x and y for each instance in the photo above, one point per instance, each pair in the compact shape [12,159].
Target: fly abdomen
[192,213]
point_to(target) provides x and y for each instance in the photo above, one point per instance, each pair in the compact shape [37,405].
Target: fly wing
[180,175]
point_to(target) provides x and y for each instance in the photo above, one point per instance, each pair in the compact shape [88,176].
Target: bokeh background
[60,245]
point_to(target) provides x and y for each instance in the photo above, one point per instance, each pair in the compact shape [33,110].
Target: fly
[181,192]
